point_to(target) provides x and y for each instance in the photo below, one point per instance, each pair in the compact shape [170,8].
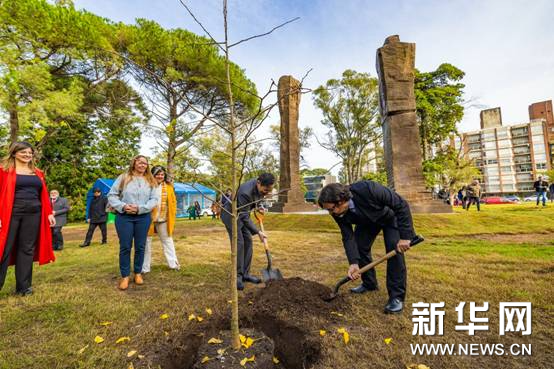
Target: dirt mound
[291,297]
[289,312]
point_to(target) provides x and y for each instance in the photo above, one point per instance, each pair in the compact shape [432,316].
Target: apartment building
[508,157]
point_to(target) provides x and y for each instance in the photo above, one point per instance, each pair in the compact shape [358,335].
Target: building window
[541,165]
[493,161]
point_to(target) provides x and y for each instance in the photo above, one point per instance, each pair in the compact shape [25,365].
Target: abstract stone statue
[289,100]
[395,67]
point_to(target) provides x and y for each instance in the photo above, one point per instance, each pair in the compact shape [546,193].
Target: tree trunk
[171,138]
[235,340]
[14,123]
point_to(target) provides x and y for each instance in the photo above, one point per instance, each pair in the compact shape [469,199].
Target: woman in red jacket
[25,217]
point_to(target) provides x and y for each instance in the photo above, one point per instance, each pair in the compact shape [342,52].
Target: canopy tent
[186,193]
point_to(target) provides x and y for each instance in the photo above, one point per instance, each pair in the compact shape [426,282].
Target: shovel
[268,274]
[414,241]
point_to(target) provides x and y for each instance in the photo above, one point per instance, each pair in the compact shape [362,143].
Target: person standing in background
[60,207]
[163,221]
[25,217]
[133,195]
[97,217]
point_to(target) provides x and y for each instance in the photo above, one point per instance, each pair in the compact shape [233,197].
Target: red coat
[43,250]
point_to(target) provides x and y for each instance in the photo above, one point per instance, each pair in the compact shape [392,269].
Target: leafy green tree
[45,50]
[350,108]
[438,105]
[450,170]
[183,79]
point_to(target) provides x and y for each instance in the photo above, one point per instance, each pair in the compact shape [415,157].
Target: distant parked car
[206,212]
[530,198]
[500,200]
[513,198]
[493,200]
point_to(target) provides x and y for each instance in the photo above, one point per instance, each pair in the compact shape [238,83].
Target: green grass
[504,253]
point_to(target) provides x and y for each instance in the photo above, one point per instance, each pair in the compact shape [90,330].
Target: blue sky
[506,48]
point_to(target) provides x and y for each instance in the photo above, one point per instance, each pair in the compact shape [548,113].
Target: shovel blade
[271,275]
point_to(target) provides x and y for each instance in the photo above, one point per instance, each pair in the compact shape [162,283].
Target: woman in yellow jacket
[163,221]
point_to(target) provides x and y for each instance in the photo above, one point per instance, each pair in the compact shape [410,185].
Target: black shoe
[252,279]
[394,306]
[240,284]
[27,292]
[363,289]
[84,245]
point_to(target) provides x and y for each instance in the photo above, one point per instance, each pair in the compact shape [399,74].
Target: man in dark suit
[248,196]
[60,207]
[97,217]
[372,207]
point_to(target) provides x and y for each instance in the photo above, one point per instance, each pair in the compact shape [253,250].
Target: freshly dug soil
[291,297]
[261,351]
[289,312]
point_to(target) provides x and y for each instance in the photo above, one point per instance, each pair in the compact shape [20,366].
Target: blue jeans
[541,194]
[129,228]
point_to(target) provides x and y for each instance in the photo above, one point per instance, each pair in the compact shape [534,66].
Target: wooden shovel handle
[388,255]
[260,217]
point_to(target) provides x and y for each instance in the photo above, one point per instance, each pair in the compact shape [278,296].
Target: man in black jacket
[372,207]
[60,208]
[97,217]
[248,196]
[541,186]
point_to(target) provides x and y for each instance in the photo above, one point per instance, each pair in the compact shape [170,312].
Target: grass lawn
[504,253]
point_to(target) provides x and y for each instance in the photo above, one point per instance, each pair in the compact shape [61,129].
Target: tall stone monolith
[403,159]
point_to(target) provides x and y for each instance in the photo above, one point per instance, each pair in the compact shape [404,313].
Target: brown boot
[123,283]
[138,279]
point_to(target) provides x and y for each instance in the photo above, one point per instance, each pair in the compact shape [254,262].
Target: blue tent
[186,193]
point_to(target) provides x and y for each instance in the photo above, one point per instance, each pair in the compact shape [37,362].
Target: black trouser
[57,238]
[475,200]
[244,245]
[90,232]
[396,267]
[22,239]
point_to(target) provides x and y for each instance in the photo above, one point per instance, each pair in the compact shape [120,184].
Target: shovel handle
[414,241]
[266,245]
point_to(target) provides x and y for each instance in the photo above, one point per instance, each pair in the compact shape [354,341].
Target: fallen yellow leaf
[422,366]
[250,302]
[229,301]
[220,352]
[214,341]
[131,353]
[82,350]
[388,340]
[205,359]
[322,332]
[164,316]
[209,311]
[248,342]
[346,337]
[192,317]
[141,357]
[242,338]
[337,314]
[98,339]
[105,324]
[130,366]
[166,333]
[247,359]
[122,339]
[199,318]
[275,360]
